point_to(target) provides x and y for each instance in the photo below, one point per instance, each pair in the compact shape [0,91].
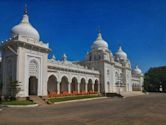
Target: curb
[133,96]
[19,106]
[78,100]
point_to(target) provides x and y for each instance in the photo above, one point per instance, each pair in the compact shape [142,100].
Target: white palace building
[25,59]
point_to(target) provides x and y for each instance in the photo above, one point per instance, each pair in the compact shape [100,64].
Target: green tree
[155,78]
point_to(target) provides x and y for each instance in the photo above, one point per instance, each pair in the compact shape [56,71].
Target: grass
[17,102]
[67,98]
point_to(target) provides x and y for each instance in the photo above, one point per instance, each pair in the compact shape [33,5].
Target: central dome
[25,29]
[100,44]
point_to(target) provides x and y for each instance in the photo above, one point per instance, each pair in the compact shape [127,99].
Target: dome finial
[99,37]
[25,8]
[25,18]
[53,57]
[120,48]
[99,29]
[64,57]
[137,67]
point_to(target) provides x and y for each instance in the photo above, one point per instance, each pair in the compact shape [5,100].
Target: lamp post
[161,88]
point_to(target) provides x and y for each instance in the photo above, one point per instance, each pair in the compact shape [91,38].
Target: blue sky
[70,26]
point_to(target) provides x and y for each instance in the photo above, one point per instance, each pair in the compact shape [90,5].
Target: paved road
[140,110]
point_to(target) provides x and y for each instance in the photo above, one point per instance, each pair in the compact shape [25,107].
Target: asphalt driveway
[141,110]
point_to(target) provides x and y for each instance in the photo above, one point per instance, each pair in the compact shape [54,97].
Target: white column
[86,87]
[93,87]
[58,87]
[98,87]
[78,87]
[69,87]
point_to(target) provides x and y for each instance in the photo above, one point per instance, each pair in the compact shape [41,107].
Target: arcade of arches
[64,85]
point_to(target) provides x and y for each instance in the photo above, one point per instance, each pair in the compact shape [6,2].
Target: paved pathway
[140,110]
[131,94]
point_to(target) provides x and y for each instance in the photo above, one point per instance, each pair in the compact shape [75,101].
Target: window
[99,57]
[90,58]
[117,77]
[108,72]
[95,58]
[121,76]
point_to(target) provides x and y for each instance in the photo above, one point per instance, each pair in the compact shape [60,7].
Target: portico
[63,78]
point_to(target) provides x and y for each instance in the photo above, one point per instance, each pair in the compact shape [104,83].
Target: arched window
[95,58]
[121,76]
[90,58]
[108,71]
[99,57]
[116,76]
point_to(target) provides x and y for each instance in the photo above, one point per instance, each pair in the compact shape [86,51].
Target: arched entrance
[74,85]
[64,84]
[90,85]
[52,84]
[33,77]
[82,85]
[33,85]
[96,86]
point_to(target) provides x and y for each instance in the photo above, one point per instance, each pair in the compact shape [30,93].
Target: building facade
[25,60]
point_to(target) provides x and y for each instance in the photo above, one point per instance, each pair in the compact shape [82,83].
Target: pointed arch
[96,86]
[64,84]
[52,84]
[74,84]
[90,85]
[82,85]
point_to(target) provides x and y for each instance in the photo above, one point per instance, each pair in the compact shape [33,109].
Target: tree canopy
[155,79]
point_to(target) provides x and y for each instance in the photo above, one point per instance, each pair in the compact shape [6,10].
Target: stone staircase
[38,100]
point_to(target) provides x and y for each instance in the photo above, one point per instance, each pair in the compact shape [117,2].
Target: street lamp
[161,88]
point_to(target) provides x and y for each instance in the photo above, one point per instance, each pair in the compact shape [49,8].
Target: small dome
[137,70]
[120,54]
[25,29]
[100,44]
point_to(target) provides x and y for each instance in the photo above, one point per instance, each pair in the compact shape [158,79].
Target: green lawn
[67,98]
[17,102]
